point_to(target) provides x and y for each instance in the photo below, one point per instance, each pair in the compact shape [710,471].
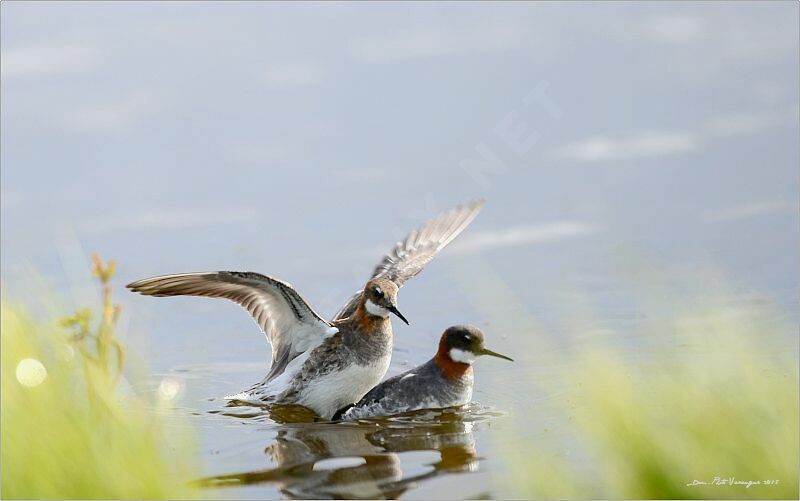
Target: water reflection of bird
[321,364]
[444,381]
[359,461]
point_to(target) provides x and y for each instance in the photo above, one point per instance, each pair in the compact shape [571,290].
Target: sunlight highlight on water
[169,388]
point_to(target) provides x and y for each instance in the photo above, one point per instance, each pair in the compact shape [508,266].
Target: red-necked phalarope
[444,381]
[323,365]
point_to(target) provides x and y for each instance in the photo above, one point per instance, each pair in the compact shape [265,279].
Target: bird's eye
[378,292]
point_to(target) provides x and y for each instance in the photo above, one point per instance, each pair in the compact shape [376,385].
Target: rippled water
[377,459]
[256,452]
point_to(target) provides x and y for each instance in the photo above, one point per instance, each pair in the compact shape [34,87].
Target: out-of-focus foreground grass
[716,400]
[66,430]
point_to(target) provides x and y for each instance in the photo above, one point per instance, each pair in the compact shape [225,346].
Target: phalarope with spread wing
[320,364]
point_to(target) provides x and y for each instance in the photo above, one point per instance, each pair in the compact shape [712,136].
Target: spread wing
[409,256]
[290,324]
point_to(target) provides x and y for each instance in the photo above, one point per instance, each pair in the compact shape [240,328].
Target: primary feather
[290,324]
[409,256]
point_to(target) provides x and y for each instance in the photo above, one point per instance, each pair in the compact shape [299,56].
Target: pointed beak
[394,310]
[486,351]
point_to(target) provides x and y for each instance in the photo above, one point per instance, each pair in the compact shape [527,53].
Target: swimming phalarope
[444,381]
[320,364]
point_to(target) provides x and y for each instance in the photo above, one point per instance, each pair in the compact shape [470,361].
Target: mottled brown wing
[290,324]
[410,256]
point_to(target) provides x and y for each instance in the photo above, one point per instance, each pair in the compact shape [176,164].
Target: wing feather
[409,256]
[290,324]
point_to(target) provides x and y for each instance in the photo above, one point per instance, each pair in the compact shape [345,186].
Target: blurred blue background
[302,139]
[187,136]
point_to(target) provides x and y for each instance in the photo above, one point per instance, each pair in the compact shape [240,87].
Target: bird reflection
[360,460]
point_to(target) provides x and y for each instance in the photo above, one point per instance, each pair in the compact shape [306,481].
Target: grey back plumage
[421,387]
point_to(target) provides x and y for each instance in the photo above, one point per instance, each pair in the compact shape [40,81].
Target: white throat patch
[375,310]
[461,356]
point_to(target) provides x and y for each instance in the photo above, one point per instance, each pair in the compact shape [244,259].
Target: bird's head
[380,298]
[463,344]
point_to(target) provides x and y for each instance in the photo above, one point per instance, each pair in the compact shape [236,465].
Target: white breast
[284,381]
[329,393]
